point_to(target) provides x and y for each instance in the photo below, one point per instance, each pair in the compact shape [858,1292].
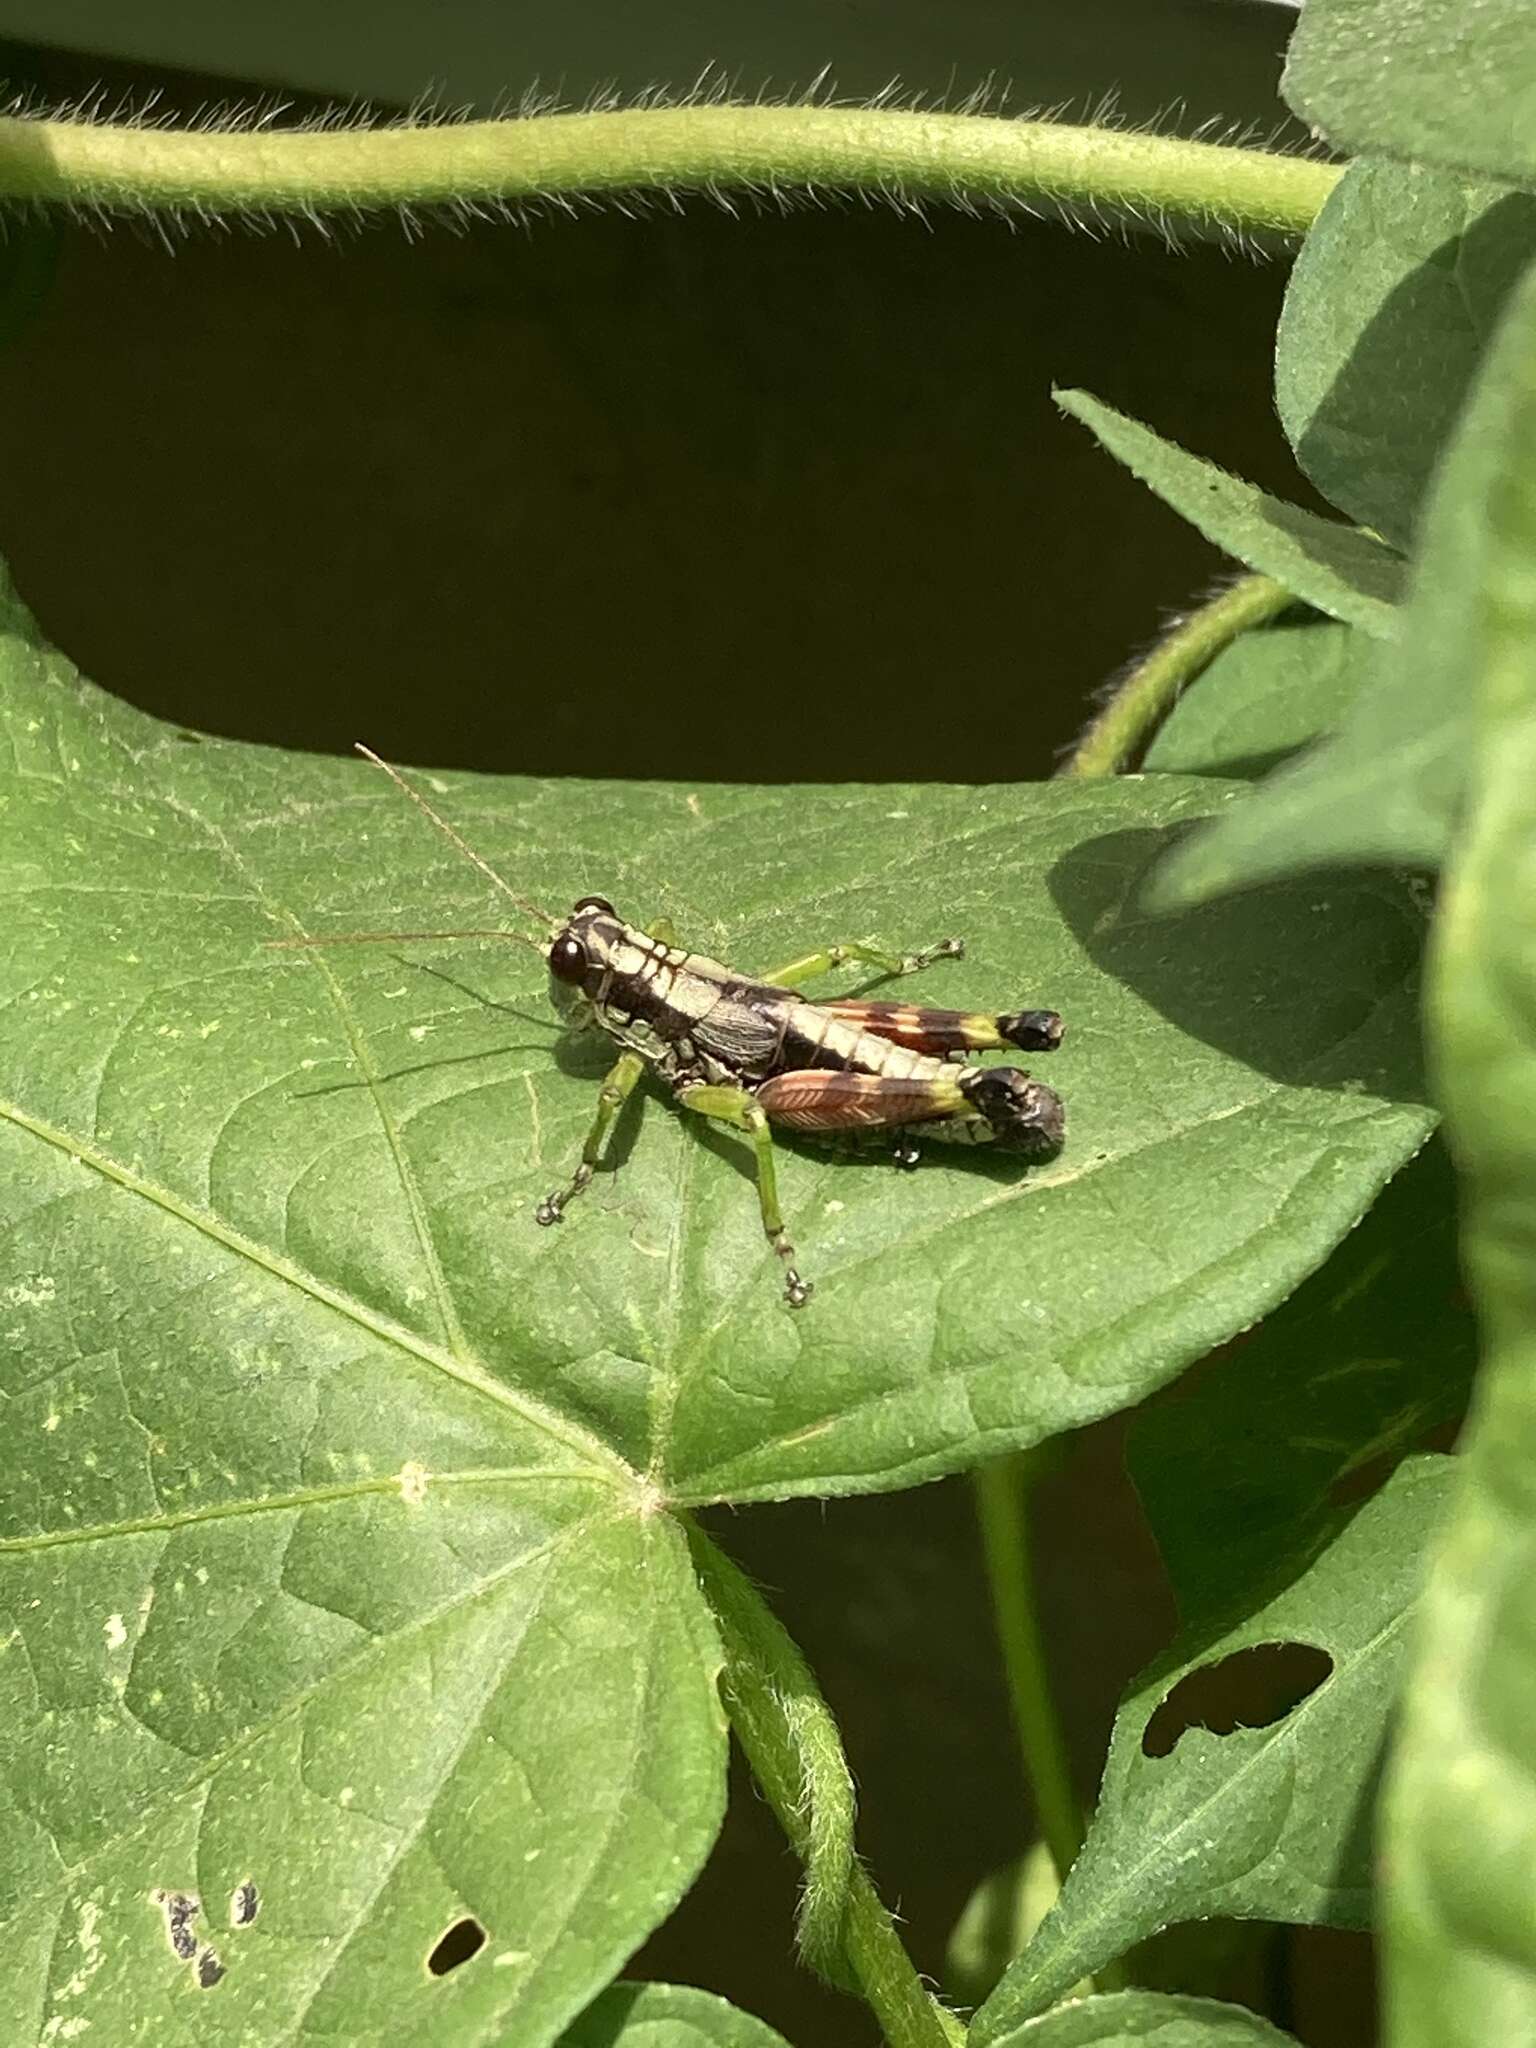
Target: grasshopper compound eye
[568,959]
[594,903]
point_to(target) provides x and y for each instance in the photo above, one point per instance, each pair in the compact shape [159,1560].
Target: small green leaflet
[672,2016]
[1388,787]
[1264,1822]
[1395,296]
[1435,81]
[1145,2019]
[1338,569]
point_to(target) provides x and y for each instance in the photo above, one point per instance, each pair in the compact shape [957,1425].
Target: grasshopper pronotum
[754,1052]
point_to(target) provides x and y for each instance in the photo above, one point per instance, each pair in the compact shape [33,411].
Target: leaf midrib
[300,1497]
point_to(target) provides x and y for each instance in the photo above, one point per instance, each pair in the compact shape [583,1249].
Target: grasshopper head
[581,956]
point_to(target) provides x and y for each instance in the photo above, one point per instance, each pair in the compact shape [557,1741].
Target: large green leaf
[1462,1810]
[1145,2019]
[1264,1822]
[378,1128]
[1438,81]
[1392,303]
[1249,1473]
[1269,693]
[1337,569]
[672,2016]
[1389,786]
[333,1545]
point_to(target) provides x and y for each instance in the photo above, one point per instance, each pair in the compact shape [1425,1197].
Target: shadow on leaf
[1284,978]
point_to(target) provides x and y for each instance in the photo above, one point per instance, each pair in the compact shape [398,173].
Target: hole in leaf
[1252,1688]
[465,1938]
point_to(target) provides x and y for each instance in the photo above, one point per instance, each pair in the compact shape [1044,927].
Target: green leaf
[1262,698]
[1389,786]
[1249,1473]
[373,1128]
[1337,569]
[1432,80]
[1461,1816]
[1267,1822]
[1391,306]
[669,2016]
[333,1549]
[997,1923]
[1145,2019]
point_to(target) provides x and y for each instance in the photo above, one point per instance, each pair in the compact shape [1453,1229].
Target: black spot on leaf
[208,1969]
[1252,1688]
[245,1904]
[180,1910]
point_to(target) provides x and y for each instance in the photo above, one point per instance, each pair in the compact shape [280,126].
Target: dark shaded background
[756,498]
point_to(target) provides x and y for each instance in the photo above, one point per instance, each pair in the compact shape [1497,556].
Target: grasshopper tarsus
[553,1207]
[945,949]
[611,1098]
[906,1154]
[797,1292]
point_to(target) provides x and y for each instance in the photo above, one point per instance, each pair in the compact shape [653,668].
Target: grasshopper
[754,1053]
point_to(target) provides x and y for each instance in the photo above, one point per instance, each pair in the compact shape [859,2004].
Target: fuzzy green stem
[1151,689]
[1002,1508]
[790,1739]
[772,150]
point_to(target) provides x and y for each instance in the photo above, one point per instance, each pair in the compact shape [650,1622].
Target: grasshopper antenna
[528,909]
[379,938]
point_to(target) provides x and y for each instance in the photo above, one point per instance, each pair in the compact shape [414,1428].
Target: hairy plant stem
[790,1739]
[1002,1492]
[775,151]
[1152,687]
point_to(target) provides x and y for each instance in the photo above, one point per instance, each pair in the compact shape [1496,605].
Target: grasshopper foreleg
[734,1106]
[614,1093]
[826,958]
